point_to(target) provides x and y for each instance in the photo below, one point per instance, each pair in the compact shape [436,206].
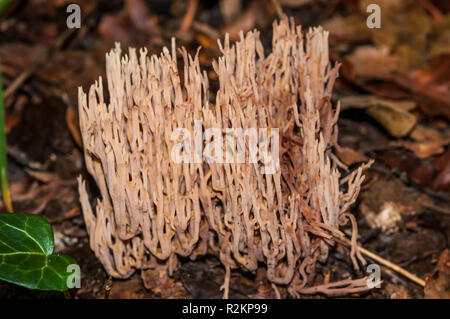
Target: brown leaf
[387,89]
[403,23]
[21,55]
[366,101]
[349,156]
[372,62]
[349,29]
[230,9]
[438,284]
[442,166]
[441,35]
[114,28]
[423,133]
[426,149]
[397,122]
[11,120]
[393,115]
[250,18]
[431,85]
[139,14]
[433,172]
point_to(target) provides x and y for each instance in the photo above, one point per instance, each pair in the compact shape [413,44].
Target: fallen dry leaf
[404,23]
[140,16]
[350,156]
[372,62]
[21,55]
[393,115]
[423,133]
[134,26]
[397,122]
[441,38]
[254,16]
[442,166]
[230,9]
[431,85]
[365,101]
[438,284]
[433,171]
[11,120]
[425,149]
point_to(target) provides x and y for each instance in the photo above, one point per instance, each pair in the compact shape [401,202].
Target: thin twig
[438,209]
[189,16]
[206,29]
[22,158]
[278,8]
[388,264]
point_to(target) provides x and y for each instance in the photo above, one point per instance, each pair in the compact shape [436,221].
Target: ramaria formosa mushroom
[248,174]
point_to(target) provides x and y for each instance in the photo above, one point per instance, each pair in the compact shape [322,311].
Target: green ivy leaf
[26,259]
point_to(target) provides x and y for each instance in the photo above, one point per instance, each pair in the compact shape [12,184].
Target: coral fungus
[154,208]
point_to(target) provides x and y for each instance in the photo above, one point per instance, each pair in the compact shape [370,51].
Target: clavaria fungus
[154,208]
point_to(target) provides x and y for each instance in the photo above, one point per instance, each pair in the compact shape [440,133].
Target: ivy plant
[26,240]
[26,254]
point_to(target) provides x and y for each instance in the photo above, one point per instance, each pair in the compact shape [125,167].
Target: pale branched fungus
[154,208]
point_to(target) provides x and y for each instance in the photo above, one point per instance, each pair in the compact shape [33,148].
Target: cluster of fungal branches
[153,208]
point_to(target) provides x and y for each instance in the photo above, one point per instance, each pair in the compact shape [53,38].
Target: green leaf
[26,259]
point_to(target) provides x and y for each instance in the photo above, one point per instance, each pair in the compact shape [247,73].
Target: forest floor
[394,88]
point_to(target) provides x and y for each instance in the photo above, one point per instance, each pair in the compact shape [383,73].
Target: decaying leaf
[351,28]
[438,284]
[253,16]
[441,38]
[366,101]
[431,85]
[422,133]
[405,28]
[230,9]
[350,157]
[372,62]
[398,123]
[425,149]
[393,115]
